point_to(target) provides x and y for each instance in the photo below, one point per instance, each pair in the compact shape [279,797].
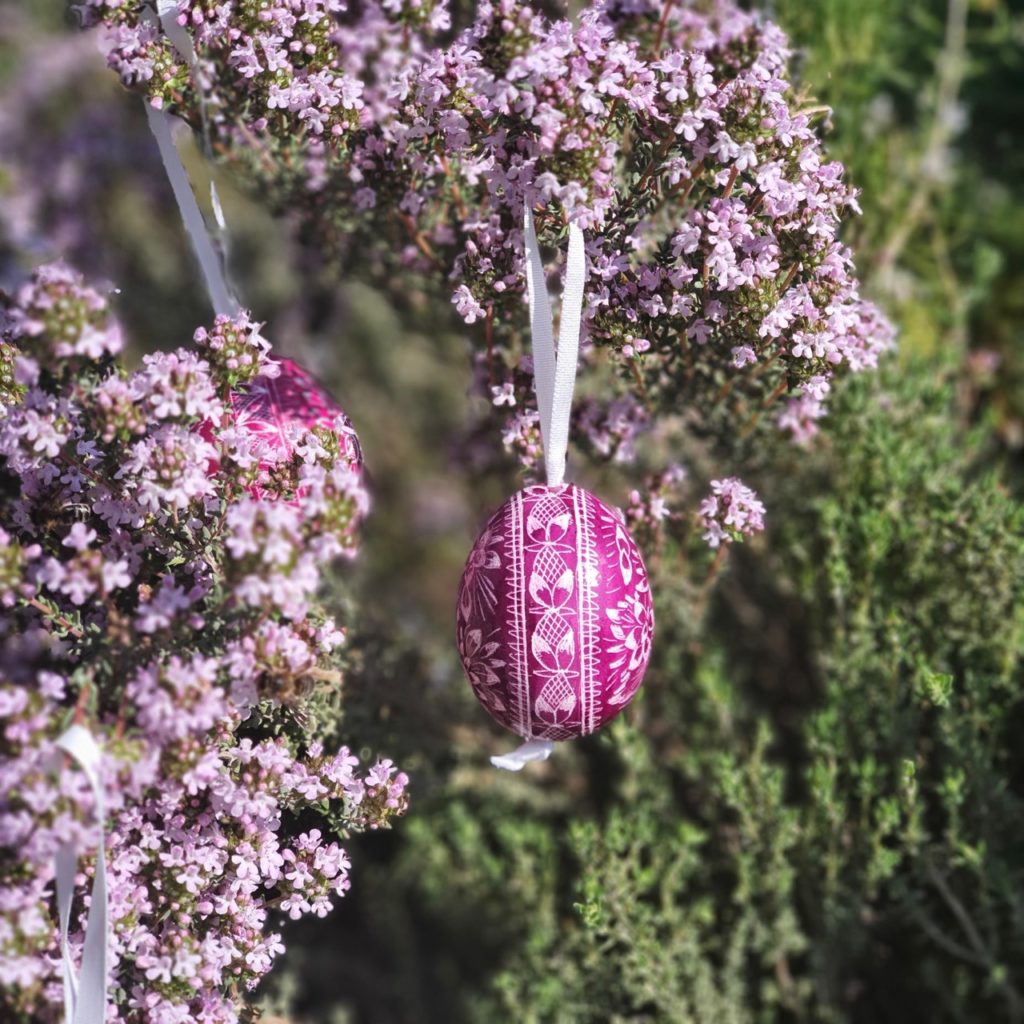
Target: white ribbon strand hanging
[167,12]
[554,374]
[554,371]
[221,296]
[85,997]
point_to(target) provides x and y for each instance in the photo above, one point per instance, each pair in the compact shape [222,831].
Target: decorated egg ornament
[278,410]
[554,622]
[554,616]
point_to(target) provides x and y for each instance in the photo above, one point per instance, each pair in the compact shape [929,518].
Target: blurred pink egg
[277,411]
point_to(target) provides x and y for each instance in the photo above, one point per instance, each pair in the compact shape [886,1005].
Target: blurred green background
[815,812]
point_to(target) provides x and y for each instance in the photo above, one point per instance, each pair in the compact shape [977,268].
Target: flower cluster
[234,348]
[730,512]
[667,130]
[57,319]
[158,583]
[409,136]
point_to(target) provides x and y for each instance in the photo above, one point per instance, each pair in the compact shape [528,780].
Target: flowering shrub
[815,813]
[158,582]
[668,131]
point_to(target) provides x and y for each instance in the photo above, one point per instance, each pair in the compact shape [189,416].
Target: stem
[418,239]
[714,571]
[640,383]
[655,161]
[56,618]
[489,335]
[662,25]
[693,181]
[677,192]
[747,429]
[951,65]
[254,144]
[80,704]
[779,390]
[964,919]
[788,279]
[716,566]
[70,460]
[460,205]
[760,370]
[725,389]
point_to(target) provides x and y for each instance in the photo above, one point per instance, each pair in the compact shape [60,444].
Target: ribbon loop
[555,371]
[85,997]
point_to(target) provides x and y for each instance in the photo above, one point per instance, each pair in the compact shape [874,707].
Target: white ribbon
[531,750]
[221,296]
[554,374]
[85,997]
[167,12]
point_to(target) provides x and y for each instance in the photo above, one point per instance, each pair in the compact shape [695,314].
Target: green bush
[811,816]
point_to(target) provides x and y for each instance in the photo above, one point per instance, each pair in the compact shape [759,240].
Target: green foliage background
[815,811]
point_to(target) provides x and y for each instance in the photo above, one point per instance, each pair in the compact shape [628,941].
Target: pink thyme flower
[732,511]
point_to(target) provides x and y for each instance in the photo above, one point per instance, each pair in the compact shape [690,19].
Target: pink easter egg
[554,620]
[277,411]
